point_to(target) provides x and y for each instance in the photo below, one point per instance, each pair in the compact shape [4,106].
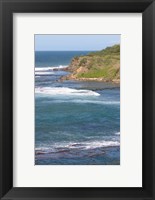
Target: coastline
[102,66]
[99,66]
[71,77]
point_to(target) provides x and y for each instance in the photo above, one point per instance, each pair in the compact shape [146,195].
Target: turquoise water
[76,123]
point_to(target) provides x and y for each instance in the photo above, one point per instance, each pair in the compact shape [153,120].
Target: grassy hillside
[102,65]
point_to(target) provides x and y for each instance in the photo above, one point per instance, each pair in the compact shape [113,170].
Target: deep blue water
[76,123]
[55,58]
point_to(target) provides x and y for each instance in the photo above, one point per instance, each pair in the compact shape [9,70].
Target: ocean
[76,123]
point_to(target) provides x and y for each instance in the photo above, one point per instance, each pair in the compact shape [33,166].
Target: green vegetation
[114,50]
[98,73]
[83,61]
[104,64]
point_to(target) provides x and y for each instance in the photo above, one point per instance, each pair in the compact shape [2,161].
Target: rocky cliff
[102,65]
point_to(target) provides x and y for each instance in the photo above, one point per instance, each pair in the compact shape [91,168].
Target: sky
[74,42]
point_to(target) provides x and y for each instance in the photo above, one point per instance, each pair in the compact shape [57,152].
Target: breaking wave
[65,91]
[118,133]
[49,68]
[57,147]
[43,73]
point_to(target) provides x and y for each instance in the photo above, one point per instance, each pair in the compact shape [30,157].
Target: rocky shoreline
[102,66]
[70,77]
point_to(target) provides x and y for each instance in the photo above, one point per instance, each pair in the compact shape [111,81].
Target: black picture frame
[7,8]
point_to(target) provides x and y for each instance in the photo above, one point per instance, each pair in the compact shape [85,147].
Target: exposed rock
[96,66]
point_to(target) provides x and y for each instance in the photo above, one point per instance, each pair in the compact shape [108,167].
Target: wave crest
[65,91]
[49,68]
[43,73]
[57,147]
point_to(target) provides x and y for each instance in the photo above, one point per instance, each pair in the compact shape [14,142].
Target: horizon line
[83,50]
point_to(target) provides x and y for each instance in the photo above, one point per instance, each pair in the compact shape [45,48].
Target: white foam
[60,67]
[82,145]
[42,68]
[97,144]
[118,133]
[65,91]
[95,102]
[43,73]
[86,101]
[49,68]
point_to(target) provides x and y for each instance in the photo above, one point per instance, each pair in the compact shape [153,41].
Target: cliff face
[101,65]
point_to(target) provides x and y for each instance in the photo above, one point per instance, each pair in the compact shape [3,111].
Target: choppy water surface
[76,123]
